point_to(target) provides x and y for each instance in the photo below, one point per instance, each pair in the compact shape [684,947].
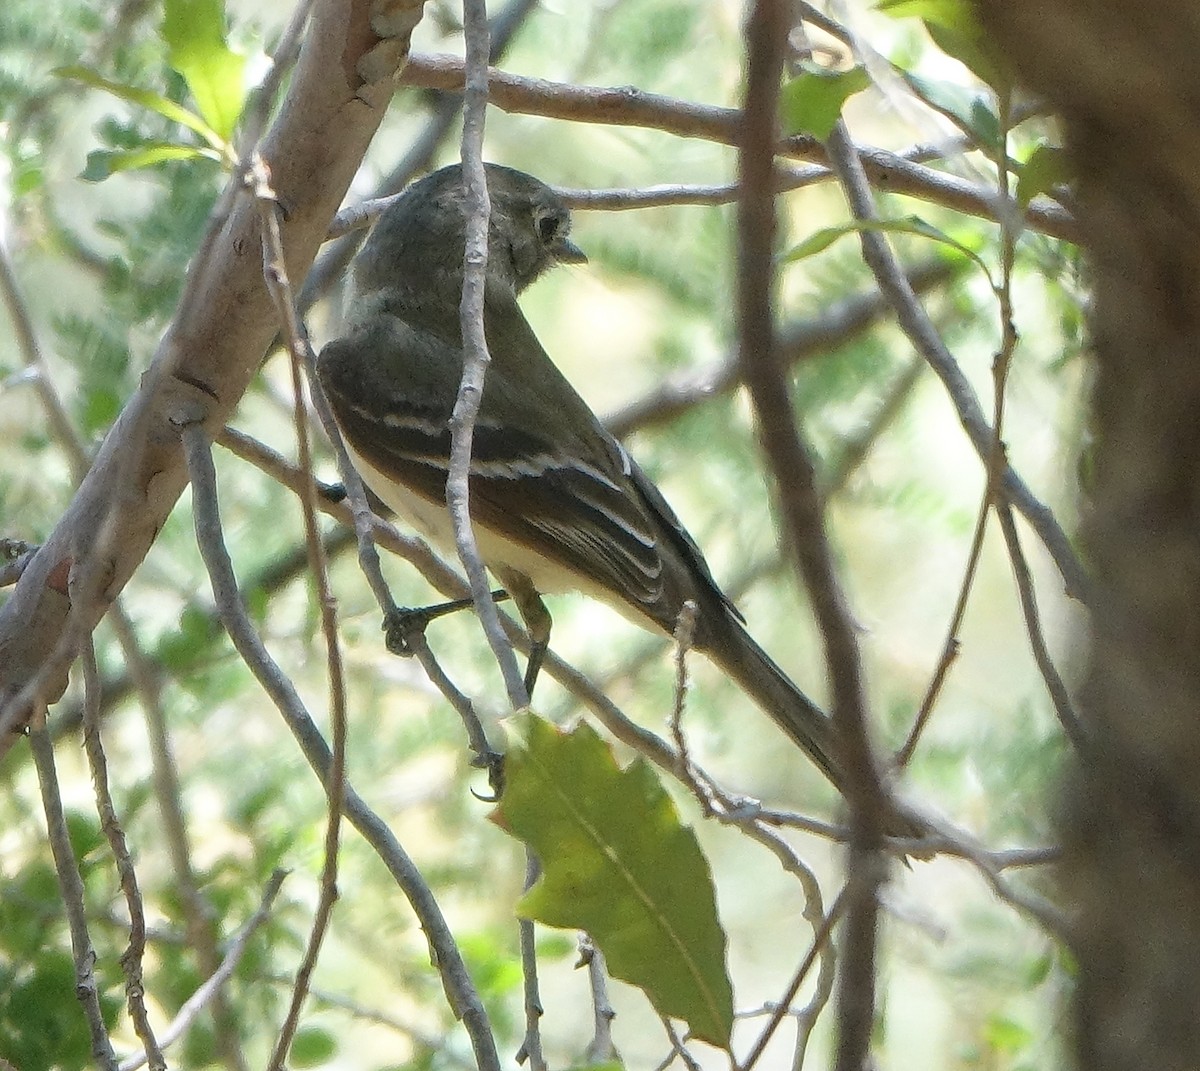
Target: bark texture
[338,94]
[1126,79]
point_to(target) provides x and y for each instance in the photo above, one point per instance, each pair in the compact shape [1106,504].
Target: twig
[950,646]
[801,340]
[626,106]
[15,555]
[131,959]
[1059,695]
[205,994]
[684,637]
[460,991]
[421,1037]
[332,263]
[679,1050]
[166,784]
[866,870]
[143,672]
[71,884]
[475,348]
[601,1048]
[275,274]
[531,1044]
[782,1008]
[257,109]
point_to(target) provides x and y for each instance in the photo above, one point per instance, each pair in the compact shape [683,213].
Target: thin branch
[275,273]
[782,1008]
[206,993]
[131,960]
[475,348]
[144,675]
[601,1048]
[222,326]
[800,340]
[166,783]
[1057,689]
[419,1036]
[71,884]
[460,990]
[531,1044]
[332,263]
[626,106]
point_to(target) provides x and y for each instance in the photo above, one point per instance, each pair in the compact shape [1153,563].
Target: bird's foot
[404,622]
[493,762]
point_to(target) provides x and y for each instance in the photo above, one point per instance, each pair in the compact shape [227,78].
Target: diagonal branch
[223,325]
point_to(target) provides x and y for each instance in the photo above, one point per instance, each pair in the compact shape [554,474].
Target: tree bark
[1126,79]
[225,321]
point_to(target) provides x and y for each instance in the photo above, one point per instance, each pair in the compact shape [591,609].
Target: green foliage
[819,241]
[103,268]
[956,31]
[194,31]
[312,1047]
[811,103]
[617,862]
[965,107]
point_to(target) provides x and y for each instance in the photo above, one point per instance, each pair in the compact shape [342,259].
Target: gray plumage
[556,501]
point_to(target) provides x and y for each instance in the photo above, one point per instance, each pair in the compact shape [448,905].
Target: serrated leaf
[145,98]
[194,31]
[966,109]
[1046,168]
[821,240]
[101,163]
[618,863]
[812,101]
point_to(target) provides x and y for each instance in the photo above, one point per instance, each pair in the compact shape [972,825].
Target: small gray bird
[556,502]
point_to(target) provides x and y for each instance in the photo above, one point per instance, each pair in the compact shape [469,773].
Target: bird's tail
[731,647]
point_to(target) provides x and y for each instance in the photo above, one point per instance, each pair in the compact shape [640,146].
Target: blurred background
[967,979]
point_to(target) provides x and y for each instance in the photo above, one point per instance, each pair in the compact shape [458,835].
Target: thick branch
[224,324]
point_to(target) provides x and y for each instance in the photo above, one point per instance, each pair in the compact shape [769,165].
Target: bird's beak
[567,252]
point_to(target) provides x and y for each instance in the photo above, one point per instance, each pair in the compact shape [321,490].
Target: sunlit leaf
[821,240]
[146,98]
[954,28]
[812,101]
[618,863]
[101,163]
[194,31]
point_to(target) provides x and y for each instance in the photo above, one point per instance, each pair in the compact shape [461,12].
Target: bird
[556,502]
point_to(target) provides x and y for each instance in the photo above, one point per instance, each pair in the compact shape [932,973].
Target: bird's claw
[400,625]
[493,762]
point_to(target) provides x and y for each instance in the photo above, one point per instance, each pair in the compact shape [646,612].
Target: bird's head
[424,232]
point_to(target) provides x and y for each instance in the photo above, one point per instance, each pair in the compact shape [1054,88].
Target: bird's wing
[565,496]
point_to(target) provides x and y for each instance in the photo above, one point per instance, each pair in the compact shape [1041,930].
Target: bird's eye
[547,227]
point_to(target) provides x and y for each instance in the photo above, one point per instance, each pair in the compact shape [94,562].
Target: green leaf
[617,862]
[821,240]
[812,101]
[956,31]
[1046,168]
[101,163]
[145,98]
[966,109]
[311,1047]
[1005,1035]
[194,31]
